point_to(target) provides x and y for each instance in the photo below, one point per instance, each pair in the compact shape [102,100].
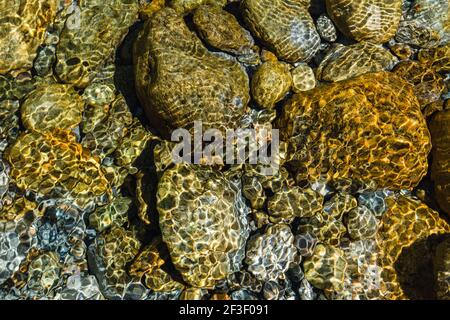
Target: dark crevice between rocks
[415,269]
[124,78]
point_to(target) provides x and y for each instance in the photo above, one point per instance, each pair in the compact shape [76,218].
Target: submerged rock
[303,78]
[361,223]
[285,26]
[426,24]
[345,62]
[9,123]
[44,272]
[403,246]
[55,165]
[179,81]
[270,83]
[90,37]
[269,255]
[428,84]
[326,267]
[368,129]
[442,269]
[105,127]
[109,255]
[440,168]
[185,6]
[51,107]
[326,29]
[221,30]
[366,20]
[23,30]
[202,216]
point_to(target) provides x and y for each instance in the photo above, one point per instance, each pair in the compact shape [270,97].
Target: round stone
[303,78]
[270,83]
[51,107]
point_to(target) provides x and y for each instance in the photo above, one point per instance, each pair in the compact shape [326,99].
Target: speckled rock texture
[270,254]
[355,206]
[366,20]
[284,25]
[23,30]
[381,142]
[440,169]
[426,23]
[170,61]
[202,217]
[52,107]
[345,62]
[394,242]
[54,164]
[222,30]
[87,41]
[326,267]
[270,83]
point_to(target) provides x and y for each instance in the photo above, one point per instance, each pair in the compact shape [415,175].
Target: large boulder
[203,220]
[179,81]
[368,130]
[440,168]
[285,26]
[23,30]
[366,20]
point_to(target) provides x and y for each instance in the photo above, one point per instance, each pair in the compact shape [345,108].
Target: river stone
[285,26]
[368,129]
[23,25]
[202,216]
[344,62]
[440,168]
[91,36]
[366,20]
[426,24]
[49,107]
[179,81]
[55,165]
[222,30]
[270,83]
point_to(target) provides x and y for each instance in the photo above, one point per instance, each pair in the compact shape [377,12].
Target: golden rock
[285,26]
[345,62]
[179,81]
[202,216]
[270,83]
[90,37]
[56,165]
[366,20]
[367,129]
[50,107]
[23,30]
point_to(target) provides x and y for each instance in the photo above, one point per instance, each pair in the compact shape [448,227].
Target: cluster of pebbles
[92,206]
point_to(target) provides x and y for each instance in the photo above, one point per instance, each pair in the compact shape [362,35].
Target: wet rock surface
[285,26]
[318,130]
[90,37]
[440,169]
[367,20]
[345,62]
[23,30]
[178,80]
